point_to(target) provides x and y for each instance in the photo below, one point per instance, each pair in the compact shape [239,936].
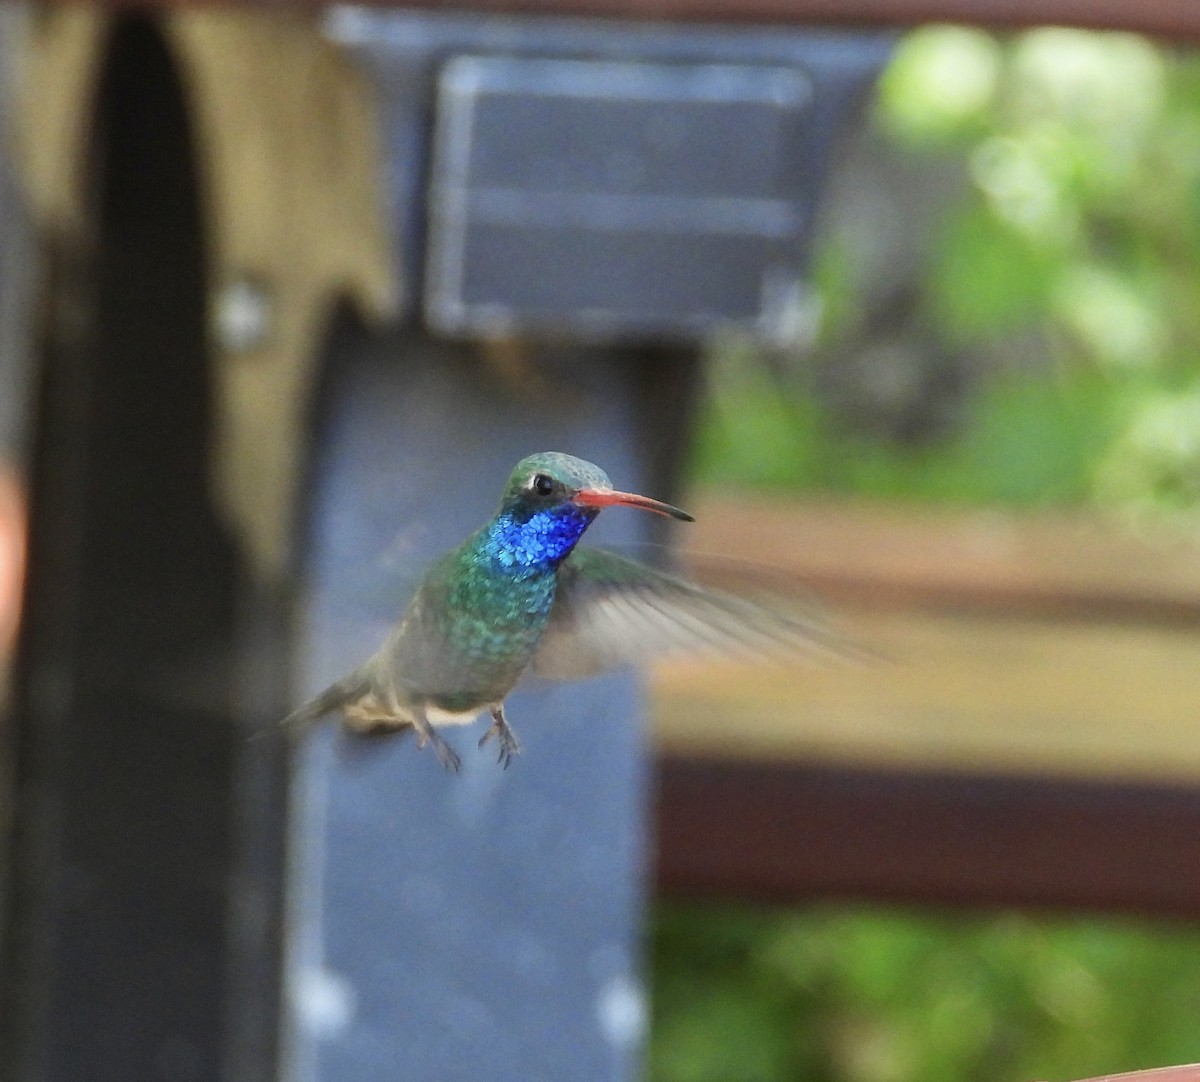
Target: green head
[548,503]
[551,480]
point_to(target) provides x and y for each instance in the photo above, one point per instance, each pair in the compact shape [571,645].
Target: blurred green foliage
[1024,441]
[745,994]
[1076,234]
[1077,230]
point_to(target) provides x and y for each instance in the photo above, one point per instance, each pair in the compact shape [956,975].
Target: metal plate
[614,198]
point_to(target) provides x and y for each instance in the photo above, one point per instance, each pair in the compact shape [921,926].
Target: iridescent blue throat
[524,547]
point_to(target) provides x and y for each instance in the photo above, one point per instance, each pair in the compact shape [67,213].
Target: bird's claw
[446,755]
[508,748]
[508,741]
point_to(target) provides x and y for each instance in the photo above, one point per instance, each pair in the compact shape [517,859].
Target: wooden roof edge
[1171,19]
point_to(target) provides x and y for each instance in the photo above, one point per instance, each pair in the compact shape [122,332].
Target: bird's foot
[446,755]
[508,739]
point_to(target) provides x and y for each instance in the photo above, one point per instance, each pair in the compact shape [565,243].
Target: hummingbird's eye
[542,484]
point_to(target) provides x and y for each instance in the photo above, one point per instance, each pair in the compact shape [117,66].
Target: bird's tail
[335,697]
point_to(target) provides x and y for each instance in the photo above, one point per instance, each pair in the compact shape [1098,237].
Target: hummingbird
[517,596]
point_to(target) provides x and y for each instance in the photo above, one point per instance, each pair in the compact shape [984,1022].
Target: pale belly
[369,714]
[437,716]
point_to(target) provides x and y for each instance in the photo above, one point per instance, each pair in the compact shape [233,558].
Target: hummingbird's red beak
[609,497]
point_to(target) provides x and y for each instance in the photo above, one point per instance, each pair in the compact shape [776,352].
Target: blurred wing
[610,611]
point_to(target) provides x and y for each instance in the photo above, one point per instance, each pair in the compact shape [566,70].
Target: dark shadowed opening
[125,745]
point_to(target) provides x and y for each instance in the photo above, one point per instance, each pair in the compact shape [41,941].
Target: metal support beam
[483,925]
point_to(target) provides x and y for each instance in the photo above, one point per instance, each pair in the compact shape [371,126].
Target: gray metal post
[483,925]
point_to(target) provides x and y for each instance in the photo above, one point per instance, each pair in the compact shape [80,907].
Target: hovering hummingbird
[518,596]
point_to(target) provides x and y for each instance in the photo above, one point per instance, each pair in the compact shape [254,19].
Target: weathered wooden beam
[1042,564]
[1173,19]
[1163,18]
[1041,698]
[1030,744]
[788,832]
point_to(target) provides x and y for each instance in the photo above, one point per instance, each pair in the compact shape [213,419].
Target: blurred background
[1005,318]
[1001,346]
